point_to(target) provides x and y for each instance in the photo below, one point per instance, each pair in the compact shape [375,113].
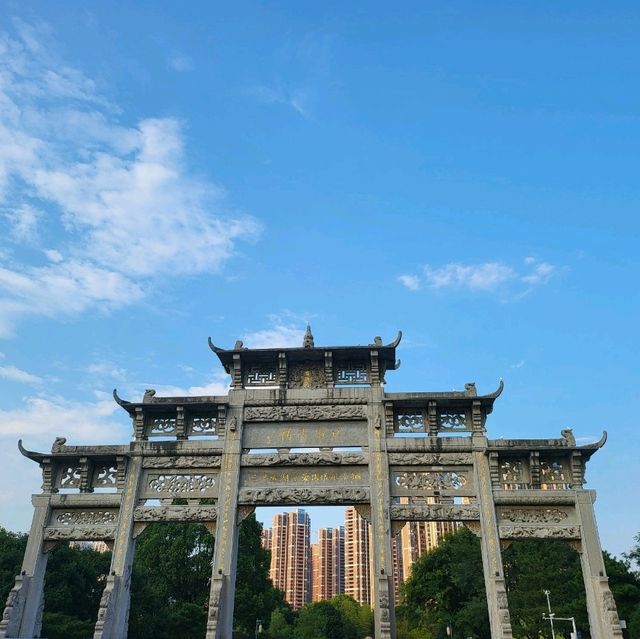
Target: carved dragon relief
[301,413]
[539,532]
[304,459]
[533,515]
[175,513]
[71,533]
[183,461]
[431,459]
[434,512]
[293,495]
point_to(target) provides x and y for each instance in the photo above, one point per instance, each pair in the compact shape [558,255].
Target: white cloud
[180,62]
[519,364]
[412,282]
[298,99]
[37,422]
[104,368]
[14,374]
[281,334]
[130,207]
[485,276]
[23,222]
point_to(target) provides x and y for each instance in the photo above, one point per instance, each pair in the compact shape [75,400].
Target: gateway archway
[208,452]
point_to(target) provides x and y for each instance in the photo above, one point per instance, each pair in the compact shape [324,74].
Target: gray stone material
[322,397]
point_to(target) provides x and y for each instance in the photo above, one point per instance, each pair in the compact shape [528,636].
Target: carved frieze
[84,517]
[292,495]
[430,480]
[299,413]
[431,459]
[434,512]
[70,533]
[183,461]
[175,513]
[304,459]
[533,515]
[537,498]
[196,483]
[539,532]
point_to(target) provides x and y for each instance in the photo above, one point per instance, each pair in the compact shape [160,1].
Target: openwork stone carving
[534,516]
[304,459]
[70,477]
[539,532]
[553,476]
[83,517]
[175,513]
[182,483]
[183,461]
[512,474]
[261,376]
[105,476]
[203,425]
[303,495]
[431,480]
[297,413]
[352,373]
[453,421]
[307,375]
[434,512]
[163,426]
[430,459]
[410,422]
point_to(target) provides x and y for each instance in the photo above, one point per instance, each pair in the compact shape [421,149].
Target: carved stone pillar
[490,545]
[603,616]
[225,553]
[382,586]
[113,614]
[23,613]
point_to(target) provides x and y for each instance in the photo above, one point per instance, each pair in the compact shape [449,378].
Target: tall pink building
[291,556]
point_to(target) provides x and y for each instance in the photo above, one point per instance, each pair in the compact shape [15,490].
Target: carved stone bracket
[14,606]
[474,527]
[431,459]
[305,459]
[539,532]
[364,510]
[276,496]
[244,512]
[175,513]
[434,512]
[297,413]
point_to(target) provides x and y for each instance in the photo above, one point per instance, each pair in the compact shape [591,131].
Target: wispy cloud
[519,364]
[180,62]
[485,276]
[127,201]
[14,374]
[287,329]
[298,99]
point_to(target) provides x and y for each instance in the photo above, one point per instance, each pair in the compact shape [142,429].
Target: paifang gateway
[215,453]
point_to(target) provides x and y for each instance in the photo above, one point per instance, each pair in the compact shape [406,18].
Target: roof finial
[307,342]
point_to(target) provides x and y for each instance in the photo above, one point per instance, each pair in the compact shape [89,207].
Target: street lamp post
[551,615]
[258,628]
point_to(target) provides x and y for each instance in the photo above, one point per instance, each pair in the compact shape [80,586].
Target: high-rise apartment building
[328,564]
[291,556]
[357,556]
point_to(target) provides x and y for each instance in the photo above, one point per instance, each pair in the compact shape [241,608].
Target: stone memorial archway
[217,454]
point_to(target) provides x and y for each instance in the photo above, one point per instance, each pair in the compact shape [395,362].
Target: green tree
[533,566]
[12,546]
[73,586]
[447,586]
[256,597]
[280,624]
[354,615]
[170,585]
[320,620]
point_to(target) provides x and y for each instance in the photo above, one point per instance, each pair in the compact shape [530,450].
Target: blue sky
[465,172]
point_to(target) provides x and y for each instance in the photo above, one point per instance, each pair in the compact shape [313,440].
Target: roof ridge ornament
[307,341]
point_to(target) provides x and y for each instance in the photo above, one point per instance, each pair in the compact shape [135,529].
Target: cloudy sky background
[466,173]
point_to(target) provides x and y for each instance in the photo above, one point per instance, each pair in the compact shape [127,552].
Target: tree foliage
[446,587]
[12,547]
[73,586]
